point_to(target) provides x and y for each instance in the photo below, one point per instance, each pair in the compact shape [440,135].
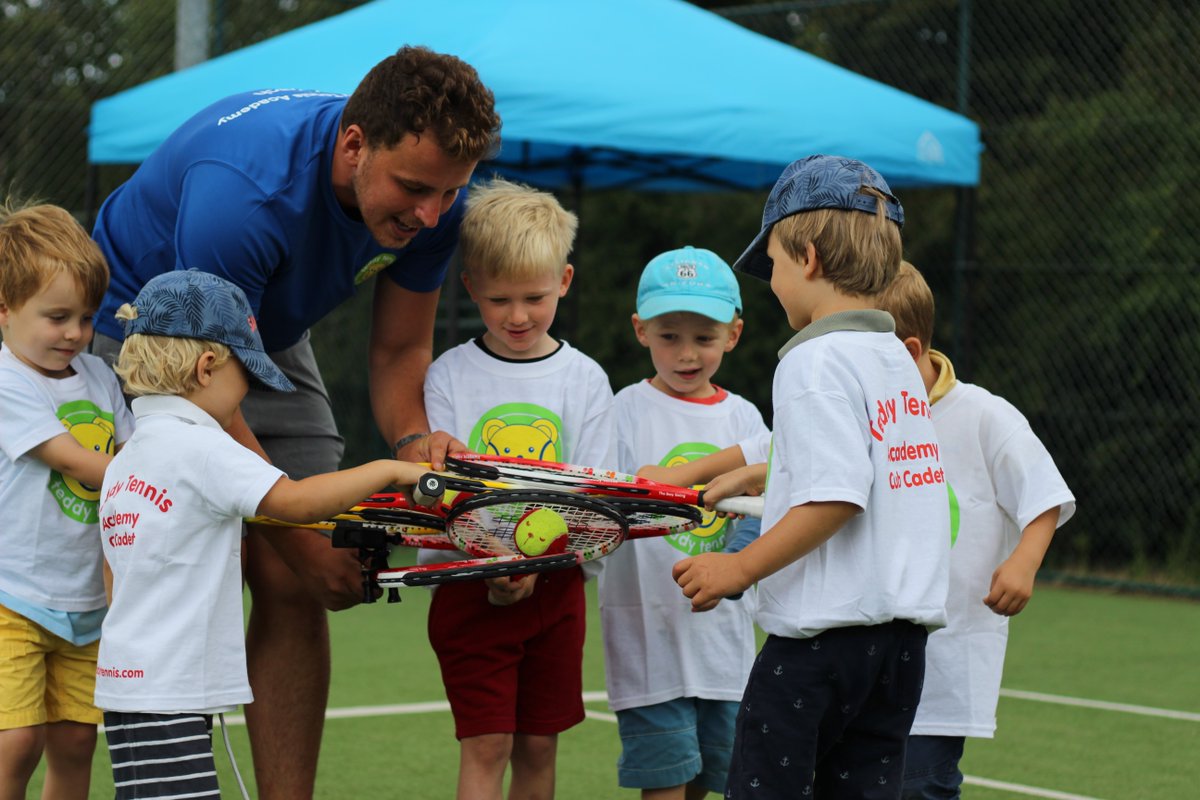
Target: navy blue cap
[191,304]
[811,183]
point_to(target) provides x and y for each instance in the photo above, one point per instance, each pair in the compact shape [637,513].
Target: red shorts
[512,669]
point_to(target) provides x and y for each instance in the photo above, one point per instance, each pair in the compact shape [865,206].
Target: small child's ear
[913,345]
[735,333]
[567,276]
[204,367]
[639,330]
[811,266]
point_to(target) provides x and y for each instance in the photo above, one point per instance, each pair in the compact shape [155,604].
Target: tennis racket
[530,527]
[377,527]
[645,517]
[589,480]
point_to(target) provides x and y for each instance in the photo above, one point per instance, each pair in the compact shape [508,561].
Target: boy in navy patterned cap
[171,510]
[852,569]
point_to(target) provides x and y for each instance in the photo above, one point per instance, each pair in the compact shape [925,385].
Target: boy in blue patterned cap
[852,570]
[172,649]
[674,677]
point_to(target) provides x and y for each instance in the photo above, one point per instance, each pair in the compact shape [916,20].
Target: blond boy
[852,568]
[1008,498]
[173,650]
[63,417]
[511,652]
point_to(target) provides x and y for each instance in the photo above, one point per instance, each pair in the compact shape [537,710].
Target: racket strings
[493,528]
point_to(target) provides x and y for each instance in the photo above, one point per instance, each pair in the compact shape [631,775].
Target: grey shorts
[297,428]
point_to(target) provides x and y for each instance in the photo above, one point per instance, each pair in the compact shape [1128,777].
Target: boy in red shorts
[511,652]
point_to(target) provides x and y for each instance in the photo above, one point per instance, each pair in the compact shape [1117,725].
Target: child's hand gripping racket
[609,484]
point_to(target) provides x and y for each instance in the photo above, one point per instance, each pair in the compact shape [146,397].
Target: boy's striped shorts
[161,755]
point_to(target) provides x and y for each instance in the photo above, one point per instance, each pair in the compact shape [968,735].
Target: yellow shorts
[44,678]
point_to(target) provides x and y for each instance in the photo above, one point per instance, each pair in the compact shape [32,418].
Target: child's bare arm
[321,496]
[1012,582]
[702,470]
[708,577]
[65,454]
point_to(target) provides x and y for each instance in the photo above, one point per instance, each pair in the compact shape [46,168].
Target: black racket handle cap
[429,489]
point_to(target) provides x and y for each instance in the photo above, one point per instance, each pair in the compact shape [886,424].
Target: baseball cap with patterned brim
[811,183]
[191,304]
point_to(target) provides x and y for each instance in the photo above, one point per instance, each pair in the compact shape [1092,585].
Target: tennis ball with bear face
[541,532]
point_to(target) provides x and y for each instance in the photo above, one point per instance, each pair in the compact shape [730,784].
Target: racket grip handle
[745,505]
[429,490]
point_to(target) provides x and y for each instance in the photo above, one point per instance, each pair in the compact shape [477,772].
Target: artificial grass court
[1116,649]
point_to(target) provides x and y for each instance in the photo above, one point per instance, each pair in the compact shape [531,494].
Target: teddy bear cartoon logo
[537,440]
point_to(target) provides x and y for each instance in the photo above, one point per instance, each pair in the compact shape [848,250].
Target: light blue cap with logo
[689,279]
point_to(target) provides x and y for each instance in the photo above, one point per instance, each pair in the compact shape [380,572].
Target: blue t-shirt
[244,190]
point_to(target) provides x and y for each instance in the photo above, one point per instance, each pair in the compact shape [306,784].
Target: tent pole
[964,205]
[91,188]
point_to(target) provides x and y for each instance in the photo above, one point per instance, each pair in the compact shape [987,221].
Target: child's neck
[701,394]
[836,302]
[546,345]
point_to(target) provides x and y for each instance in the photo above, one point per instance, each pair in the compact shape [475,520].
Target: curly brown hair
[417,90]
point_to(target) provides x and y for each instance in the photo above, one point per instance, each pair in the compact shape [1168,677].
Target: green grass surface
[1117,649]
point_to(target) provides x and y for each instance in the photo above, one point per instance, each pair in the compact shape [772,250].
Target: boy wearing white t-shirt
[852,570]
[511,651]
[674,678]
[172,652]
[1010,499]
[63,417]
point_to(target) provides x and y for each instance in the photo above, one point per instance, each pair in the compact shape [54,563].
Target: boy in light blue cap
[172,648]
[852,569]
[674,678]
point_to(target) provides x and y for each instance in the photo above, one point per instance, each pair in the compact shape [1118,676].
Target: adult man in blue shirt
[298,197]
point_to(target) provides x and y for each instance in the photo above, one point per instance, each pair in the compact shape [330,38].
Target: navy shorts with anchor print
[828,717]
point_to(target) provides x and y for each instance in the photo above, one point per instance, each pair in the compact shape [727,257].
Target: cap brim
[710,307]
[263,370]
[754,261]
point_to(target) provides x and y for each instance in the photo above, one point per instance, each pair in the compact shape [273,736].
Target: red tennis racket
[589,480]
[531,525]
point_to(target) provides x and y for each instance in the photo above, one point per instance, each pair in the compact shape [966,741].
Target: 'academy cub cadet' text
[119,527]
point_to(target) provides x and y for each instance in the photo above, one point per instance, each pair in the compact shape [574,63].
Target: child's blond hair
[151,364]
[909,300]
[515,232]
[39,242]
[859,252]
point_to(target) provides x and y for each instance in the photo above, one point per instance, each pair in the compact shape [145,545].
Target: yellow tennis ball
[541,532]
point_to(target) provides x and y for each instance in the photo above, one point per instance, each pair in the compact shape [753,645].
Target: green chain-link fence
[1078,297]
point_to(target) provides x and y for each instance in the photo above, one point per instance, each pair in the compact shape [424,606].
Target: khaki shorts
[44,678]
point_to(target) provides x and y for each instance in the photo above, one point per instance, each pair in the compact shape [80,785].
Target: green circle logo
[955,514]
[94,430]
[374,266]
[709,536]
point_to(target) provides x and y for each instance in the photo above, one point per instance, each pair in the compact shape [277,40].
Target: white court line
[1100,705]
[1018,788]
[596,697]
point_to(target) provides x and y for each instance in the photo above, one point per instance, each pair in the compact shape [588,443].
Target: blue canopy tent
[638,94]
[645,94]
